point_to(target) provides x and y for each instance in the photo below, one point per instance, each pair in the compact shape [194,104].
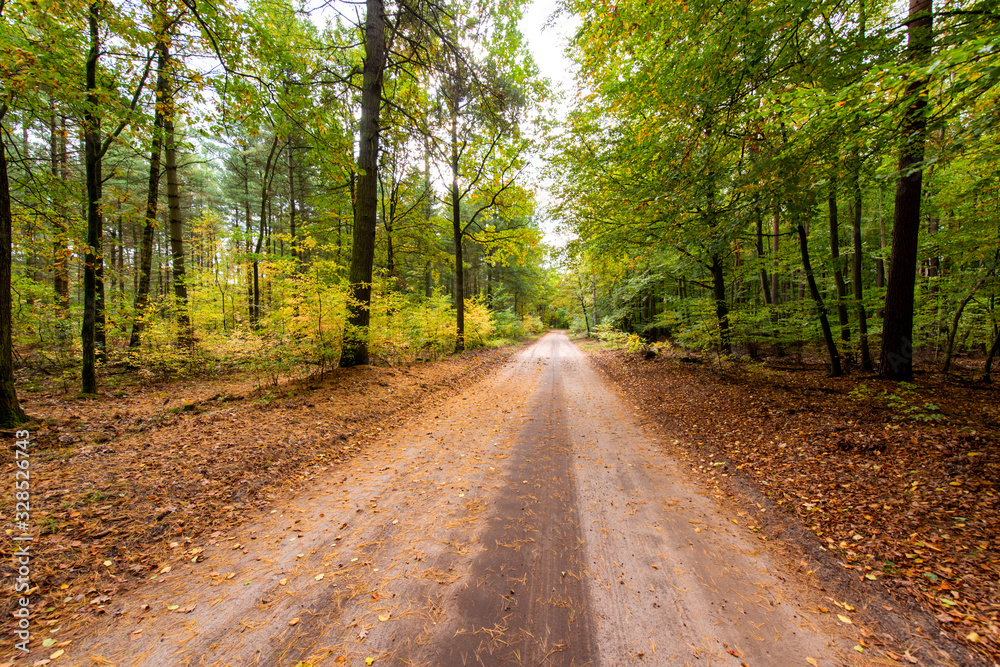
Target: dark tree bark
[866,356]
[355,345]
[456,224]
[11,413]
[583,305]
[775,277]
[92,160]
[896,360]
[293,242]
[152,200]
[60,268]
[838,273]
[717,267]
[831,345]
[765,282]
[270,167]
[93,335]
[185,333]
[988,365]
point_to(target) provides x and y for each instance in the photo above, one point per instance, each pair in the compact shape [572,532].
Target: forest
[270,267]
[190,184]
[786,176]
[287,189]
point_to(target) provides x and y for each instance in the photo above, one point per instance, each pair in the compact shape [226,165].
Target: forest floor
[192,508]
[899,485]
[122,484]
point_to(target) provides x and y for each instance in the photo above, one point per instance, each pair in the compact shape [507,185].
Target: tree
[141,302]
[95,148]
[11,413]
[896,359]
[355,346]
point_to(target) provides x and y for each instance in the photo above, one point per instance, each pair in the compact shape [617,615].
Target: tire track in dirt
[526,600]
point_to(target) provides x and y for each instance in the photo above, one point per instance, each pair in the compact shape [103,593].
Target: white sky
[548,35]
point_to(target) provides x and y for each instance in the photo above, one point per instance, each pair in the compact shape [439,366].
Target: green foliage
[629,342]
[905,403]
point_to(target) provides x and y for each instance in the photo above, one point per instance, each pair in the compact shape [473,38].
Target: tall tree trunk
[249,240]
[765,283]
[293,238]
[456,226]
[866,356]
[831,345]
[593,291]
[896,360]
[355,346]
[145,267]
[721,308]
[60,244]
[775,276]
[92,161]
[838,272]
[185,333]
[11,413]
[60,269]
[265,194]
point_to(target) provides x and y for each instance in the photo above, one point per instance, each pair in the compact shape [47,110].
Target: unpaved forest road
[528,521]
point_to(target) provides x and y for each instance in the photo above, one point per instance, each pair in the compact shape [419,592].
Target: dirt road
[528,521]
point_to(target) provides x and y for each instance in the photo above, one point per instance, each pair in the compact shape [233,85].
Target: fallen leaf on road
[385,617]
[294,621]
[844,619]
[812,661]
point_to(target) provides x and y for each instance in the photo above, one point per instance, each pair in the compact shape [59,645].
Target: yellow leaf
[973,637]
[812,661]
[319,576]
[844,619]
[294,621]
[57,654]
[385,617]
[369,661]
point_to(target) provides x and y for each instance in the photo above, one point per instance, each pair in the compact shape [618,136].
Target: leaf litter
[899,483]
[143,486]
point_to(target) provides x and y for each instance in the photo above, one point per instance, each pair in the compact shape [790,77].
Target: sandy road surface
[527,521]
